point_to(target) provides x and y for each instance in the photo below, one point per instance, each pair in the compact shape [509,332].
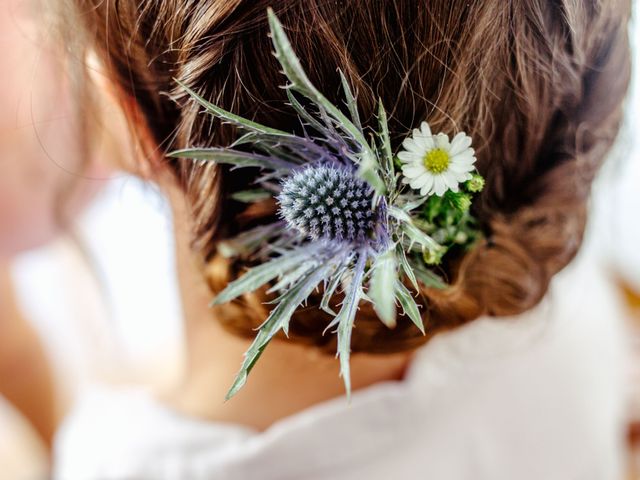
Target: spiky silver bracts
[354,216]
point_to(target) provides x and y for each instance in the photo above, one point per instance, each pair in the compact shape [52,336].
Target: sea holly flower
[433,164]
[345,222]
[333,203]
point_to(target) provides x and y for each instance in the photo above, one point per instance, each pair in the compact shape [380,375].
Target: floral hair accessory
[354,218]
[432,164]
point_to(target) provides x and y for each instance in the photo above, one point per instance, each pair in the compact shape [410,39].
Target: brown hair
[538,84]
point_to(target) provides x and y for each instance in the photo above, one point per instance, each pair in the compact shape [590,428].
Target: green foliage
[427,277]
[332,286]
[351,101]
[261,275]
[386,154]
[233,157]
[250,196]
[278,320]
[384,275]
[448,219]
[409,305]
[345,319]
[231,117]
[248,242]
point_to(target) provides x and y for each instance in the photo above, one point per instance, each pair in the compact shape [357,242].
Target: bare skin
[44,175]
[287,379]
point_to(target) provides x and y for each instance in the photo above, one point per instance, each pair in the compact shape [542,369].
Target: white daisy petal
[425,129]
[426,192]
[466,165]
[461,167]
[413,171]
[427,187]
[462,179]
[459,144]
[451,182]
[463,156]
[412,145]
[408,157]
[426,144]
[442,141]
[418,182]
[439,185]
[457,138]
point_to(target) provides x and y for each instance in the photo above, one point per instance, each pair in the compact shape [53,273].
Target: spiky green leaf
[426,243]
[290,278]
[406,267]
[345,320]
[332,286]
[387,153]
[233,157]
[250,196]
[352,105]
[409,305]
[416,236]
[304,114]
[428,278]
[278,320]
[247,242]
[412,203]
[381,286]
[231,117]
[300,82]
[264,273]
[368,171]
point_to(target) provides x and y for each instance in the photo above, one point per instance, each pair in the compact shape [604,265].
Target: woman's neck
[288,378]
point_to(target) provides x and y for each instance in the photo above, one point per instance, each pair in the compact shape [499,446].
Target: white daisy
[433,164]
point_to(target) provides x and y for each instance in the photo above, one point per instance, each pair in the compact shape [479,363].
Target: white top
[534,397]
[111,309]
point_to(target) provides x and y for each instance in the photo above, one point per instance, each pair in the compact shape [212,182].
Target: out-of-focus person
[45,179]
[67,294]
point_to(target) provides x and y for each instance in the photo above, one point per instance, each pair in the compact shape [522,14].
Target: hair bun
[539,85]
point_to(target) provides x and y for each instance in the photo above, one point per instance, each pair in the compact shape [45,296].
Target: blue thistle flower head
[329,202]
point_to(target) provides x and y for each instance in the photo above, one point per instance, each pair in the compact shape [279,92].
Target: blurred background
[101,298]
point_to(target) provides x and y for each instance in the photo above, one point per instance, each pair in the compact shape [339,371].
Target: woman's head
[537,84]
[43,182]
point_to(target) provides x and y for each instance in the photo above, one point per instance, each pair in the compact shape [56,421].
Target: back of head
[537,84]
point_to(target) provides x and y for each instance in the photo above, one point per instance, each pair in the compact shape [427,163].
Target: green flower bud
[476,184]
[461,238]
[433,256]
[463,202]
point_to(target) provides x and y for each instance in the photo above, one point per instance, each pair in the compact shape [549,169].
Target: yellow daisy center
[437,160]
